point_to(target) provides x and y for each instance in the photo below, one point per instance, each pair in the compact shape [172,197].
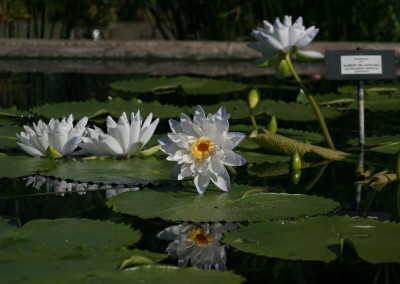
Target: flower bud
[296,161]
[273,125]
[253,98]
[52,153]
[282,70]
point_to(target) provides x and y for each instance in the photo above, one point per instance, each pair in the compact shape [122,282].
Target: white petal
[201,182]
[185,171]
[233,159]
[30,150]
[147,122]
[220,176]
[110,145]
[148,132]
[71,145]
[307,37]
[135,127]
[233,139]
[308,54]
[176,126]
[268,27]
[199,115]
[122,133]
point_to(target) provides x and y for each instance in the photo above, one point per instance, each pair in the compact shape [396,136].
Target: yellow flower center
[199,237]
[202,148]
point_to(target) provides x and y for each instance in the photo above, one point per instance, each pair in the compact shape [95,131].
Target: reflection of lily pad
[115,107]
[16,166]
[116,171]
[189,85]
[392,148]
[319,238]
[242,203]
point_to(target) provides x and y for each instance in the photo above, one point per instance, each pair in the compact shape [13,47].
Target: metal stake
[360,91]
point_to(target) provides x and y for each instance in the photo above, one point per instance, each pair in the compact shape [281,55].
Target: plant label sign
[360,65]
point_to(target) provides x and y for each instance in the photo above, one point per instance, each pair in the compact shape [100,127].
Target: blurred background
[339,20]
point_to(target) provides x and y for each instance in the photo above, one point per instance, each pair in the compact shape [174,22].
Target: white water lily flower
[197,243]
[61,135]
[122,138]
[202,148]
[275,41]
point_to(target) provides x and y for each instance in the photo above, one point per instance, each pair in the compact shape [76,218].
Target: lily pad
[132,171]
[73,266]
[7,136]
[189,85]
[16,166]
[115,108]
[392,148]
[319,238]
[13,112]
[75,233]
[376,140]
[242,203]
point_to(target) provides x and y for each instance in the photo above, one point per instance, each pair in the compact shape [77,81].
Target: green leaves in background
[242,203]
[319,238]
[115,107]
[133,171]
[16,166]
[189,85]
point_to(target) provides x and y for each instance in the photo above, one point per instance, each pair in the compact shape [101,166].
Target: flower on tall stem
[58,135]
[122,139]
[197,243]
[277,43]
[202,148]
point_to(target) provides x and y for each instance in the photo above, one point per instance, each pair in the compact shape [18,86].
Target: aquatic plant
[122,139]
[59,136]
[202,148]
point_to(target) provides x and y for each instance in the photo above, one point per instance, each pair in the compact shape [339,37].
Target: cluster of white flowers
[197,243]
[202,148]
[123,138]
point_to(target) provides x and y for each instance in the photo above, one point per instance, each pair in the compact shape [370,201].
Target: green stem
[317,111]
[253,120]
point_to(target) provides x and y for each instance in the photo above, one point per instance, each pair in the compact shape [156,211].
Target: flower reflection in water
[198,243]
[61,186]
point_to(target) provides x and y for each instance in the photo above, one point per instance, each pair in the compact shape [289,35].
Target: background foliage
[357,20]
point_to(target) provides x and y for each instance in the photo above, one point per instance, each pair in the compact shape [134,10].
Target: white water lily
[122,138]
[202,148]
[279,39]
[61,135]
[197,243]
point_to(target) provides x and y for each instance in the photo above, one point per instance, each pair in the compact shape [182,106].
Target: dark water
[335,180]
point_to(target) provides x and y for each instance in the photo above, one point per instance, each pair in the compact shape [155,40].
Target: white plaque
[360,64]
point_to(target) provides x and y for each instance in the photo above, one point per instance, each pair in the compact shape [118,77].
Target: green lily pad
[376,140]
[13,112]
[392,148]
[143,257]
[190,85]
[242,203]
[132,171]
[115,108]
[82,266]
[16,166]
[7,136]
[75,233]
[319,238]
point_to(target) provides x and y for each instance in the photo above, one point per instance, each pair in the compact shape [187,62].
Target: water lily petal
[110,145]
[233,159]
[220,176]
[306,37]
[71,145]
[30,150]
[148,132]
[201,182]
[308,55]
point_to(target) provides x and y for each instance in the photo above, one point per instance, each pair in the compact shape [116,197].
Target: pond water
[260,251]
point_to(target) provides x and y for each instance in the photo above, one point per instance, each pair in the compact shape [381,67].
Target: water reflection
[61,187]
[197,243]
